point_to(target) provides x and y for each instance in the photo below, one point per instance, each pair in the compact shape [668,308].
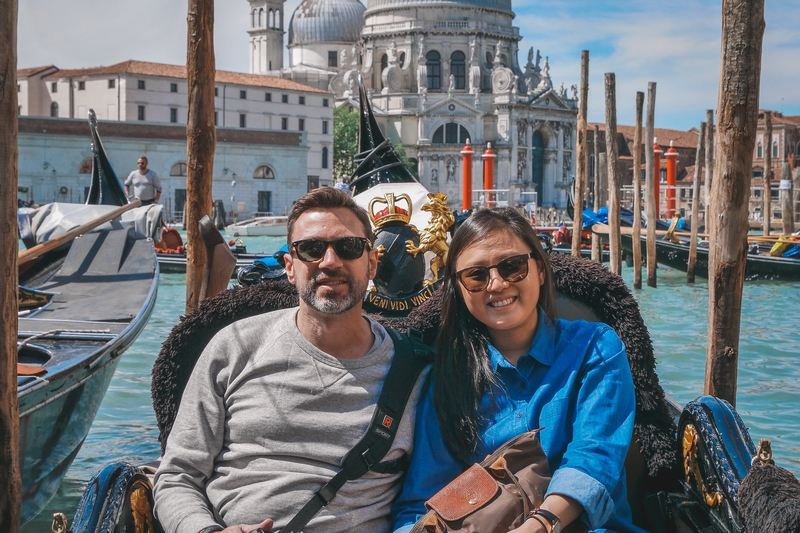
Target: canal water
[675,313]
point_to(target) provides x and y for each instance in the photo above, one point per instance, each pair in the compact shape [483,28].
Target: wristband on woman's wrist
[211,529]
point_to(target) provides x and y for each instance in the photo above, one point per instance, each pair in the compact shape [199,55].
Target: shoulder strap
[411,355]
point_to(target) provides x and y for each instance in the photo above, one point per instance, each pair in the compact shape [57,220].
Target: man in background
[146,184]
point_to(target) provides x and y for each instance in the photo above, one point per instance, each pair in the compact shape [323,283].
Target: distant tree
[345,142]
[400,150]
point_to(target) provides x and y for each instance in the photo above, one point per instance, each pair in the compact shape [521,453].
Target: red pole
[488,171]
[466,192]
[657,151]
[672,179]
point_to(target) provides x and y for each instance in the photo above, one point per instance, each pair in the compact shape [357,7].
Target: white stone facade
[441,72]
[141,92]
[55,163]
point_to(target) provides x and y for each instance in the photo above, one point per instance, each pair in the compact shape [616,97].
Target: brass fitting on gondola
[691,467]
[59,524]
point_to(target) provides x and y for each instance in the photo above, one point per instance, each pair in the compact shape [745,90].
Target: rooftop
[680,139]
[144,68]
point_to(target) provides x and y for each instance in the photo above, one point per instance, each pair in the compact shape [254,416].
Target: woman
[505,365]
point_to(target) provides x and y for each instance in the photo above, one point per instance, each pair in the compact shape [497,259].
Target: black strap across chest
[411,356]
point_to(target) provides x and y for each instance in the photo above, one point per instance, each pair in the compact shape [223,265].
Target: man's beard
[332,305]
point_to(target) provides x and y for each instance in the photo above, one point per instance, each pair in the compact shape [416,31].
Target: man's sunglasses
[347,248]
[511,269]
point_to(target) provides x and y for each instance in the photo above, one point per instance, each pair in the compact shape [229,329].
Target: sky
[675,44]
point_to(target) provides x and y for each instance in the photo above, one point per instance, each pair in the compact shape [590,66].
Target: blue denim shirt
[575,384]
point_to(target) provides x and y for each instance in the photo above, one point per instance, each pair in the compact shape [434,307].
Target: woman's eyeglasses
[347,248]
[511,269]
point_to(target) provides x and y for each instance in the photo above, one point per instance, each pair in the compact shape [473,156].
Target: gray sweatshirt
[265,421]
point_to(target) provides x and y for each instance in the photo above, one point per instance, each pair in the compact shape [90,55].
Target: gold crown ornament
[391,212]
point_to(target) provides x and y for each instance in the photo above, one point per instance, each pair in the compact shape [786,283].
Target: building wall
[66,145]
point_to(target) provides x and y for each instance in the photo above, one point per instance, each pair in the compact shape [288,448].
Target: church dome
[326,21]
[504,5]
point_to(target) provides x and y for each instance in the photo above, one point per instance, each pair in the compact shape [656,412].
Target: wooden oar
[36,251]
[603,229]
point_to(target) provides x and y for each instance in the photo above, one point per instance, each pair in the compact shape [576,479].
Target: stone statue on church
[393,52]
[434,175]
[562,91]
[530,57]
[452,87]
[451,171]
[574,89]
[546,69]
[530,85]
[497,59]
[421,48]
[343,60]
[354,51]
[472,50]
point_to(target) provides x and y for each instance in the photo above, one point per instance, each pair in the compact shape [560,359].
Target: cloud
[675,44]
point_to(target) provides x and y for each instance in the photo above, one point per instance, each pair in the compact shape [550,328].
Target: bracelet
[546,527]
[211,529]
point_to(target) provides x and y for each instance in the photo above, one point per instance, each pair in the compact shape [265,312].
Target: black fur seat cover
[581,279]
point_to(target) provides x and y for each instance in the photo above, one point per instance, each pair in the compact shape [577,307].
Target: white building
[254,170]
[439,72]
[155,93]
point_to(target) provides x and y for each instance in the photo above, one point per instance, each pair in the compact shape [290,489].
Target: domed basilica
[438,73]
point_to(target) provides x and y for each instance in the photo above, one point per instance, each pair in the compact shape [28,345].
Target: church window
[54,109]
[384,66]
[140,112]
[489,60]
[178,169]
[242,120]
[54,87]
[450,133]
[278,22]
[324,157]
[253,21]
[112,84]
[260,17]
[434,70]
[760,151]
[85,166]
[264,173]
[333,58]
[402,59]
[271,19]
[81,85]
[458,69]
[774,149]
[504,60]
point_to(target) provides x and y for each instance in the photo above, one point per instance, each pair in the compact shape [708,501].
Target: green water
[675,313]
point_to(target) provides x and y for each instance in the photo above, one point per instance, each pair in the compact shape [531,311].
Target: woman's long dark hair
[462,371]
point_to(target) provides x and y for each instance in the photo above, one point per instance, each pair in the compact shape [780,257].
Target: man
[146,183]
[276,401]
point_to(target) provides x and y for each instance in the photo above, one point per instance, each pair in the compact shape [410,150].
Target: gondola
[759,265]
[81,306]
[685,467]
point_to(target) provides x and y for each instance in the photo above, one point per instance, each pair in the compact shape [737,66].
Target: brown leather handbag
[493,496]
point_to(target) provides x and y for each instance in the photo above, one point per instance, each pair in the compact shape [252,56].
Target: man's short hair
[143,157]
[328,198]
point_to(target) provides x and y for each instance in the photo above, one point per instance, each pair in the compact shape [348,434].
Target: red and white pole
[488,171]
[466,191]
[672,179]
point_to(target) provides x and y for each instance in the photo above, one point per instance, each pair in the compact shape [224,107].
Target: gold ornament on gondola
[691,467]
[434,237]
[392,212]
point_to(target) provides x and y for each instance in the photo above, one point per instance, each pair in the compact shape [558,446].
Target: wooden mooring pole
[580,178]
[597,243]
[650,180]
[10,481]
[709,170]
[766,195]
[637,194]
[201,139]
[612,155]
[698,166]
[737,118]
